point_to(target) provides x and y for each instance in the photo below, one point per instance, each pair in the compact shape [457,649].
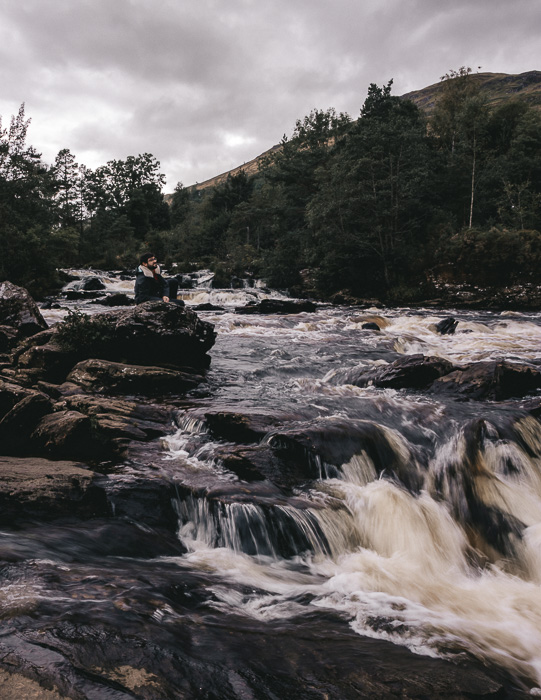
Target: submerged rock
[277,306]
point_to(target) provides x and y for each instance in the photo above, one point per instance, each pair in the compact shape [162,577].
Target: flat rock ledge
[44,489]
[37,489]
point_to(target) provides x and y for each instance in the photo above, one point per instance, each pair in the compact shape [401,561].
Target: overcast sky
[206,85]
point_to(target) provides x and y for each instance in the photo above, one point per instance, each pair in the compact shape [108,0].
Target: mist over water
[428,535]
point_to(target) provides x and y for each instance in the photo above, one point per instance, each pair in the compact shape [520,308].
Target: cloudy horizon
[206,86]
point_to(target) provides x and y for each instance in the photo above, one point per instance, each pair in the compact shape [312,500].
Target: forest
[364,207]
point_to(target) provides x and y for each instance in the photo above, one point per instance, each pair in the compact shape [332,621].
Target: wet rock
[39,488]
[49,362]
[87,657]
[244,427]
[115,300]
[252,463]
[75,294]
[115,377]
[498,380]
[208,307]
[65,435]
[149,499]
[184,281]
[10,394]
[370,320]
[114,419]
[447,326]
[8,338]
[370,327]
[92,284]
[408,372]
[157,333]
[18,423]
[19,310]
[319,449]
[277,306]
[138,412]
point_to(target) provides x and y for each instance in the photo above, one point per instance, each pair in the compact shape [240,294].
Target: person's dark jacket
[149,287]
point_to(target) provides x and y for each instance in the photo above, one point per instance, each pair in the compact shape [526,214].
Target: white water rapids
[400,566]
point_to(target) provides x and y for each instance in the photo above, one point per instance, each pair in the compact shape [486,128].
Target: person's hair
[146,257]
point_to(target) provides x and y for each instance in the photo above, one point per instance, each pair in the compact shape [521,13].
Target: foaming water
[426,532]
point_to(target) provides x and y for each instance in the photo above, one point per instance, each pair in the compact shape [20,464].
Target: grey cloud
[206,85]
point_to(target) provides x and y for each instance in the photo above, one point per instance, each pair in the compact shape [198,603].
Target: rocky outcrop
[18,310]
[157,333]
[154,333]
[51,396]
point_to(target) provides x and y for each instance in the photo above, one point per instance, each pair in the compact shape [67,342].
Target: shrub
[79,331]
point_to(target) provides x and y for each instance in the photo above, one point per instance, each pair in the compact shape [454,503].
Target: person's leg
[173,288]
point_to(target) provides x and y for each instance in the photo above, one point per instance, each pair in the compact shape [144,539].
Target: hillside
[497,87]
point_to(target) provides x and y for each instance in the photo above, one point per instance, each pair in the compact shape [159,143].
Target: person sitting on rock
[151,286]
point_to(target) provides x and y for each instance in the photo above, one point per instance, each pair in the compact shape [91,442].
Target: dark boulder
[18,423]
[114,377]
[408,372]
[10,394]
[370,327]
[277,306]
[144,500]
[447,326]
[157,333]
[320,448]
[115,300]
[498,380]
[154,333]
[91,284]
[19,310]
[184,281]
[8,338]
[242,426]
[207,307]
[49,362]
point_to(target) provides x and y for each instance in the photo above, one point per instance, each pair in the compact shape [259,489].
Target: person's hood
[148,273]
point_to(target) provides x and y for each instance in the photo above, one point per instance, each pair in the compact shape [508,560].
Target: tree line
[65,214]
[362,206]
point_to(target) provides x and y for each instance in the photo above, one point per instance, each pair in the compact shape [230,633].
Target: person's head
[148,260]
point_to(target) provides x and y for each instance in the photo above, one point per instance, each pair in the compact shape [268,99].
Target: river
[405,544]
